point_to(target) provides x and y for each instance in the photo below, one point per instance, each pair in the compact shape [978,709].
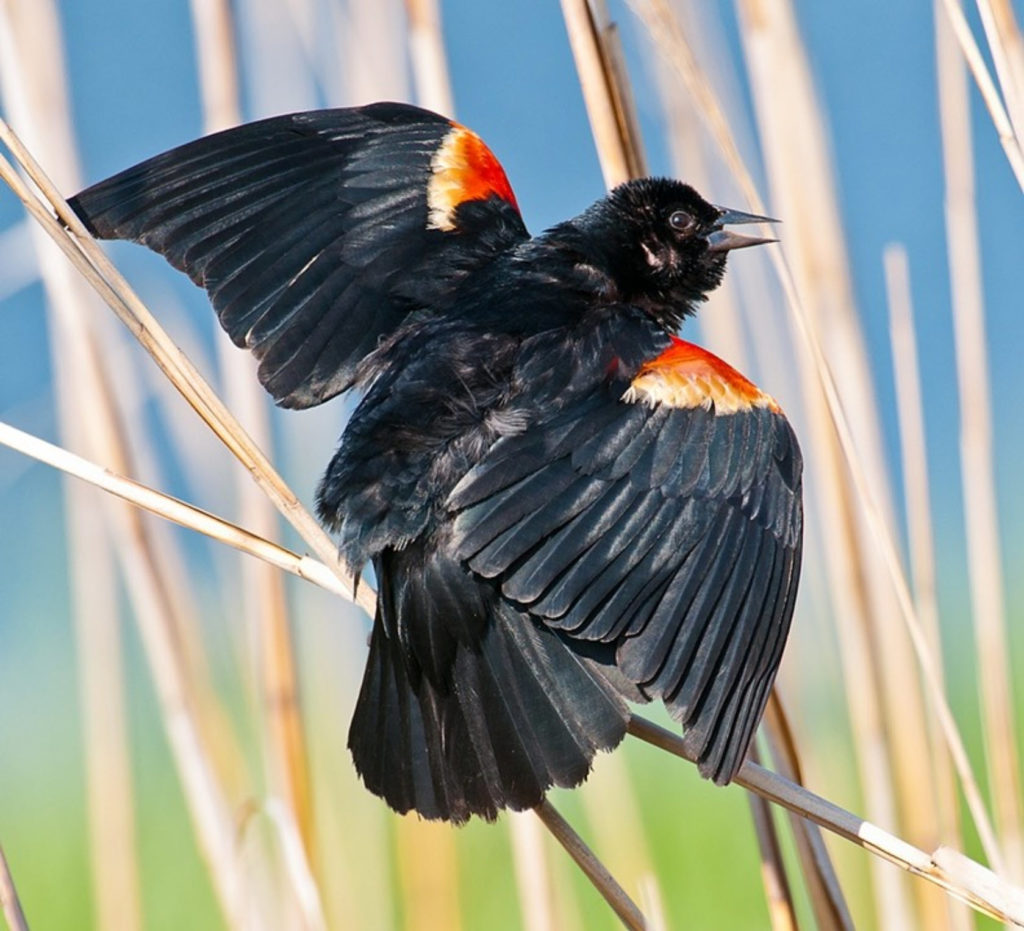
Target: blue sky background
[132,79]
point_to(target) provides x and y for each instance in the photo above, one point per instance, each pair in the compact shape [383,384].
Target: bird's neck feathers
[610,265]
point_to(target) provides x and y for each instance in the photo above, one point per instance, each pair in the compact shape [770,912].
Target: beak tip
[721,240]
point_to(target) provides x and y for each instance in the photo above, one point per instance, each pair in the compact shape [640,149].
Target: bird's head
[662,244]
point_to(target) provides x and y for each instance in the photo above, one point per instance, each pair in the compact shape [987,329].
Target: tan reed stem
[429,61]
[9,901]
[185,515]
[533,882]
[266,608]
[888,717]
[1007,48]
[827,901]
[35,92]
[976,62]
[601,76]
[777,893]
[984,557]
[593,868]
[969,881]
[910,410]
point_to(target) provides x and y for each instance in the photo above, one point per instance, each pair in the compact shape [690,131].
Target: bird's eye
[681,221]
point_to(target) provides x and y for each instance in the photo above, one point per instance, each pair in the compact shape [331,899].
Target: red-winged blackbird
[565,505]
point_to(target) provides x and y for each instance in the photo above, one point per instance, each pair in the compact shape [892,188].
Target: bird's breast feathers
[686,376]
[463,169]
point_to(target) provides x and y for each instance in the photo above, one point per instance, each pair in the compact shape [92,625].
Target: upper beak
[720,240]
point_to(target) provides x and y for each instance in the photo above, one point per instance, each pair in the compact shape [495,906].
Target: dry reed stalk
[651,903]
[264,604]
[183,617]
[620,87]
[209,805]
[614,817]
[172,509]
[891,739]
[31,72]
[667,35]
[959,876]
[562,870]
[826,895]
[427,867]
[296,862]
[910,409]
[92,263]
[274,858]
[429,61]
[601,75]
[215,58]
[533,882]
[148,591]
[591,866]
[9,901]
[353,832]
[1000,120]
[984,557]
[98,630]
[781,912]
[375,62]
[722,328]
[1007,48]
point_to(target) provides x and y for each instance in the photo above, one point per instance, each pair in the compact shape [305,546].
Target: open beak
[720,240]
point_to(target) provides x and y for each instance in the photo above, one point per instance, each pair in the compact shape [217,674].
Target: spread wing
[658,523]
[317,233]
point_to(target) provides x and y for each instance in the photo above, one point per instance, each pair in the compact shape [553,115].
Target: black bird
[565,505]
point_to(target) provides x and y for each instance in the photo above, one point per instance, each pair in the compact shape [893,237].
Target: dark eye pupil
[680,220]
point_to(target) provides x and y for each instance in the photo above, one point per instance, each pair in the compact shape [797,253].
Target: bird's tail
[453,725]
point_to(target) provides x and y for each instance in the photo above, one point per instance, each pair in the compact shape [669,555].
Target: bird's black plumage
[566,506]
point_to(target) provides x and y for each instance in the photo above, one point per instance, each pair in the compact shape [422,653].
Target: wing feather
[668,534]
[264,214]
[629,539]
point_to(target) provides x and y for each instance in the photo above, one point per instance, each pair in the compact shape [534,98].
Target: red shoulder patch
[463,169]
[685,375]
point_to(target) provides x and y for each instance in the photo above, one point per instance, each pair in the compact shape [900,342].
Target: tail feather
[517,713]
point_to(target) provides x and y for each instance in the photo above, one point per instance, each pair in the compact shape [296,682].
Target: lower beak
[720,240]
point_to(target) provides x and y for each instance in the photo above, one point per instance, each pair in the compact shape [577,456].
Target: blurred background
[167,705]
